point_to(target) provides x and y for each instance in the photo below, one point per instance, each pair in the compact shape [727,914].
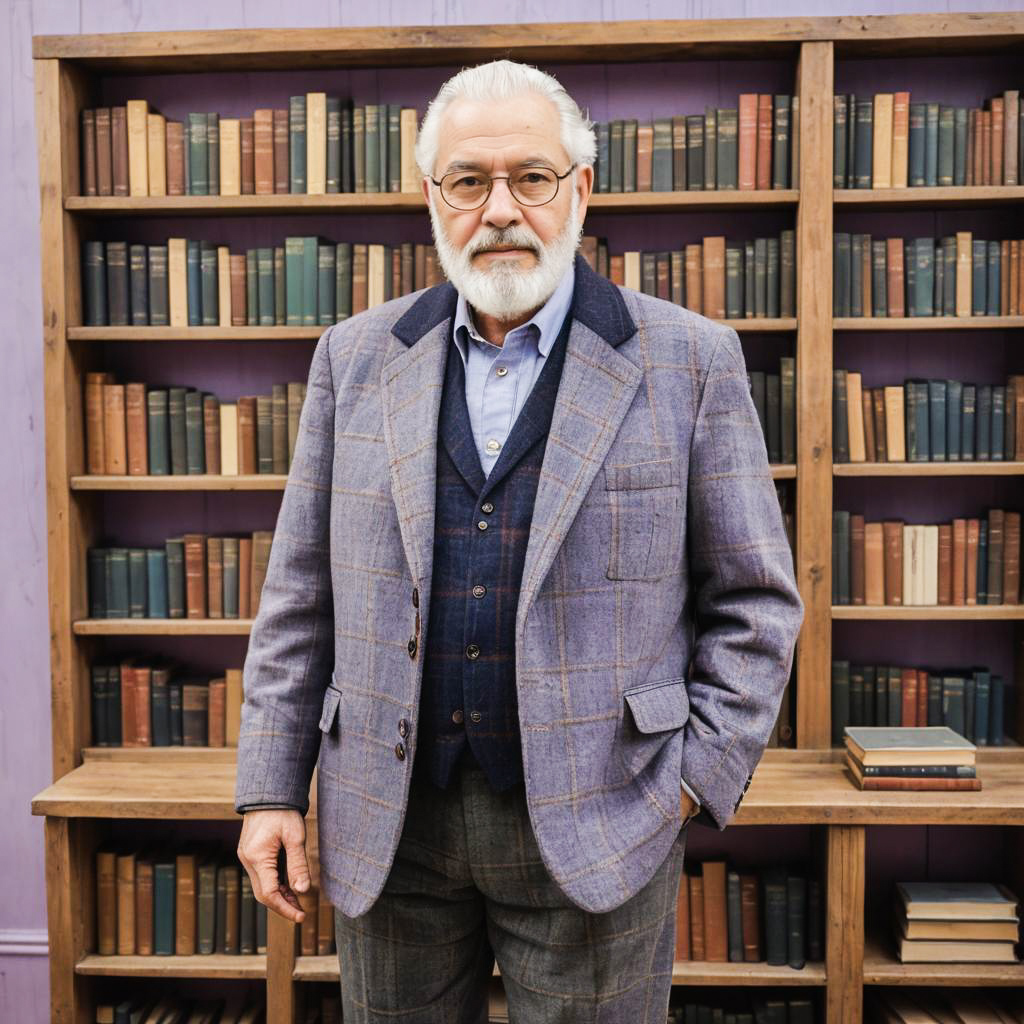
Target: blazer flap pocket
[330,708]
[641,475]
[659,706]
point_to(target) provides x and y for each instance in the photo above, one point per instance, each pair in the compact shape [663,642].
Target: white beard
[504,291]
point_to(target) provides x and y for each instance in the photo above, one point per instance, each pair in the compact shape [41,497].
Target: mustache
[512,239]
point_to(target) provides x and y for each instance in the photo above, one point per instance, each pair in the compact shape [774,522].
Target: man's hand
[263,834]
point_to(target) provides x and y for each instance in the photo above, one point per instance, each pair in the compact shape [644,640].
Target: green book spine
[879,290]
[954,417]
[164,882]
[160,712]
[615,158]
[230,577]
[198,156]
[937,420]
[881,695]
[175,552]
[796,912]
[856,273]
[931,144]
[844,556]
[839,140]
[661,156]
[780,143]
[383,173]
[136,583]
[774,901]
[924,276]
[969,688]
[208,286]
[207,907]
[960,146]
[982,696]
[194,282]
[728,150]
[280,307]
[117,284]
[749,285]
[156,578]
[909,272]
[851,139]
[922,421]
[297,144]
[174,704]
[772,278]
[946,145]
[176,430]
[372,141]
[864,119]
[195,457]
[629,127]
[139,286]
[359,148]
[983,423]
[734,913]
[265,286]
[842,279]
[787,391]
[221,915]
[158,316]
[695,152]
[247,909]
[95,284]
[679,154]
[601,178]
[916,146]
[895,691]
[213,154]
[760,277]
[998,423]
[326,271]
[114,705]
[333,144]
[293,258]
[840,440]
[992,287]
[869,706]
[343,280]
[252,298]
[710,148]
[910,421]
[309,281]
[733,282]
[983,562]
[394,147]
[347,166]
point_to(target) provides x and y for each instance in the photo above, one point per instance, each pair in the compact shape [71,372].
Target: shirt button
[403,728]
[472,652]
[457,716]
[475,716]
[482,524]
[493,444]
[479,590]
[400,751]
[486,507]
[501,370]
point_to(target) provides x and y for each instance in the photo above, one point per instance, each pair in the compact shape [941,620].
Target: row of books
[743,1007]
[944,759]
[317,145]
[970,701]
[969,561]
[719,279]
[885,140]
[145,702]
[941,1005]
[158,903]
[162,1009]
[769,915]
[955,922]
[136,430]
[751,146]
[192,283]
[926,420]
[774,396]
[956,275]
[193,576]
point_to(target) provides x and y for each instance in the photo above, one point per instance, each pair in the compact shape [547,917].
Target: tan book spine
[683,919]
[316,143]
[894,281]
[964,266]
[996,155]
[126,904]
[263,152]
[104,153]
[115,442]
[1015,280]
[696,916]
[971,555]
[281,165]
[881,143]
[359,277]
[135,429]
[900,138]
[245,578]
[1011,557]
[908,564]
[713,256]
[644,155]
[945,571]
[247,434]
[868,419]
[892,534]
[931,563]
[694,278]
[632,268]
[764,140]
[186,891]
[959,581]
[375,274]
[747,156]
[177,282]
[247,151]
[195,576]
[228,439]
[894,424]
[408,130]
[175,158]
[156,157]
[95,449]
[874,565]
[986,147]
[261,542]
[1011,136]
[232,706]
[855,417]
[106,902]
[878,406]
[223,286]
[144,906]
[750,914]
[119,150]
[858,558]
[215,724]
[230,156]
[215,578]
[137,113]
[716,927]
[211,434]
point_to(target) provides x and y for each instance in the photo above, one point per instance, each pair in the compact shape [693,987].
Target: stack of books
[910,757]
[955,922]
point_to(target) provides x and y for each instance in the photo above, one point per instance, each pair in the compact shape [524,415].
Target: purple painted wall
[638,91]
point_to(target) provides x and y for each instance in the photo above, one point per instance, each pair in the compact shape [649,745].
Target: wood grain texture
[844,925]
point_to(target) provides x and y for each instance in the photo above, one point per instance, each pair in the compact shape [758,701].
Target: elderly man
[530,604]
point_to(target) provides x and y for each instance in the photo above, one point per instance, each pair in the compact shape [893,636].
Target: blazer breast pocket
[646,506]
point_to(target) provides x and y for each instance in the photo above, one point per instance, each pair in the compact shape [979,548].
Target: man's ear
[425,186]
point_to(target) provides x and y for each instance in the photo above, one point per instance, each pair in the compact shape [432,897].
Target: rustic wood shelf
[903,469]
[940,612]
[926,323]
[212,965]
[928,196]
[881,967]
[162,627]
[180,482]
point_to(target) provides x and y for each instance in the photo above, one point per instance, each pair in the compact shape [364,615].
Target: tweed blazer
[657,616]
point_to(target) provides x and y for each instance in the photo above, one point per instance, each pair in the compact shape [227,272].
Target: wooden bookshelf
[94,788]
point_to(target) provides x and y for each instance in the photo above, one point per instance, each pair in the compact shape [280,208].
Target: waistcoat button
[482,524]
[457,716]
[486,507]
[479,590]
[472,651]
[403,728]
[475,716]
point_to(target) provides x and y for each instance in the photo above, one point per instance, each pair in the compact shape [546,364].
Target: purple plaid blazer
[657,617]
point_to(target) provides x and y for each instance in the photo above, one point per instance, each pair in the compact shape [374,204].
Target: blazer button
[403,728]
[399,751]
[457,716]
[415,597]
[412,647]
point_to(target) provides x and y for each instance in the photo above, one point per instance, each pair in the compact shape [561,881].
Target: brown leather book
[696,916]
[996,152]
[750,911]
[764,140]
[245,578]
[261,541]
[716,920]
[215,720]
[360,277]
[986,147]
[233,901]
[881,146]
[211,433]
[248,148]
[195,575]
[1011,137]
[713,275]
[324,926]
[644,153]
[971,560]
[894,276]
[144,905]
[175,158]
[186,893]
[892,534]
[973,127]
[126,904]
[617,269]
[694,278]
[874,564]
[867,413]
[922,696]
[143,713]
[1011,557]
[239,316]
[900,138]
[281,167]
[683,918]
[106,902]
[195,713]
[748,111]
[119,150]
[114,441]
[433,267]
[215,577]
[263,151]
[247,434]
[875,782]
[104,153]
[959,581]
[95,449]
[878,407]
[945,595]
[135,429]
[908,695]
[308,900]
[866,294]
[858,560]
[88,146]
[129,723]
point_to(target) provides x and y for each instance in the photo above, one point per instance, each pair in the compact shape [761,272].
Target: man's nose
[501,208]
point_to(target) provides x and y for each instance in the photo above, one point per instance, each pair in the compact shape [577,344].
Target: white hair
[503,80]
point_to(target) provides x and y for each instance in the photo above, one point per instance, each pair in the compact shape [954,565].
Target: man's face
[505,256]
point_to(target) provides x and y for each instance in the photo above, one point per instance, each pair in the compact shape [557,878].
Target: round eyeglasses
[531,186]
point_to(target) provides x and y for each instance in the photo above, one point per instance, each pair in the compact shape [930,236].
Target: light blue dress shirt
[499,378]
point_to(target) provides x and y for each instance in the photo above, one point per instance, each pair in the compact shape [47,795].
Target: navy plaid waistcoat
[469,679]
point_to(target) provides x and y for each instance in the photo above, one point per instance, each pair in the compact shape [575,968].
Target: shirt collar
[548,319]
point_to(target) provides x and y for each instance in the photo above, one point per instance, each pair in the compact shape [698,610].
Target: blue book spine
[937,420]
[194,282]
[982,691]
[954,398]
[967,445]
[992,287]
[156,580]
[995,717]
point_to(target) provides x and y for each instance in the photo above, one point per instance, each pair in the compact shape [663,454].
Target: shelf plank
[179,482]
[881,967]
[925,323]
[927,196]
[782,792]
[970,468]
[162,627]
[213,965]
[924,613]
